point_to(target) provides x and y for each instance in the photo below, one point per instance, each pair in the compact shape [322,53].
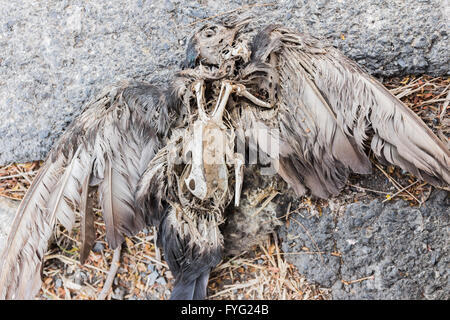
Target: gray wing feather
[110,145]
[402,138]
[330,110]
[87,229]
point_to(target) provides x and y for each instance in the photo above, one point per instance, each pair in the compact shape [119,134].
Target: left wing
[110,146]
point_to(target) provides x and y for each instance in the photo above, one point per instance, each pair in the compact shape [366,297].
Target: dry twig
[111,274]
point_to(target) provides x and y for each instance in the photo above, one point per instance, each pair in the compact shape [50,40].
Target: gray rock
[98,247]
[309,250]
[401,251]
[161,281]
[118,293]
[152,278]
[58,283]
[80,277]
[7,212]
[55,56]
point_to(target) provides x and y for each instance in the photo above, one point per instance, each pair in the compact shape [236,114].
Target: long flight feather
[21,261]
[87,234]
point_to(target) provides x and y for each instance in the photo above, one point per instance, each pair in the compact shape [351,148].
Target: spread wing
[329,110]
[109,146]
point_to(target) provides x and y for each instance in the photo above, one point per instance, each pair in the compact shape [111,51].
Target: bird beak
[242,23]
[235,22]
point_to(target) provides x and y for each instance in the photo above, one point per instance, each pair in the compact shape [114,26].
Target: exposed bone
[199,88]
[196,182]
[242,91]
[238,51]
[214,151]
[209,172]
[239,176]
[225,92]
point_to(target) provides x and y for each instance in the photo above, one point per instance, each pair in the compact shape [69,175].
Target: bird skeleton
[211,145]
[166,157]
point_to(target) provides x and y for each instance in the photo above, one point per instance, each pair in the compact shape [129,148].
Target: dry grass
[262,273]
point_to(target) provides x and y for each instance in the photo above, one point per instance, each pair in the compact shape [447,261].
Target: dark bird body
[171,158]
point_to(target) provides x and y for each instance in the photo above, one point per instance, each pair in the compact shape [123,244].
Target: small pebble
[150,268]
[152,278]
[161,281]
[58,283]
[98,247]
[118,294]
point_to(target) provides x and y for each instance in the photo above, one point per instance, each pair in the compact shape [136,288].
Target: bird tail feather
[191,290]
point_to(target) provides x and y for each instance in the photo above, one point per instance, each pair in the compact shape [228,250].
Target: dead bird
[173,160]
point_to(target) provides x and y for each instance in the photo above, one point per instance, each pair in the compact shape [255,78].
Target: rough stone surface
[7,211]
[401,251]
[55,55]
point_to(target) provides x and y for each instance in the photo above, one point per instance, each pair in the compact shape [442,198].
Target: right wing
[329,110]
[110,146]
